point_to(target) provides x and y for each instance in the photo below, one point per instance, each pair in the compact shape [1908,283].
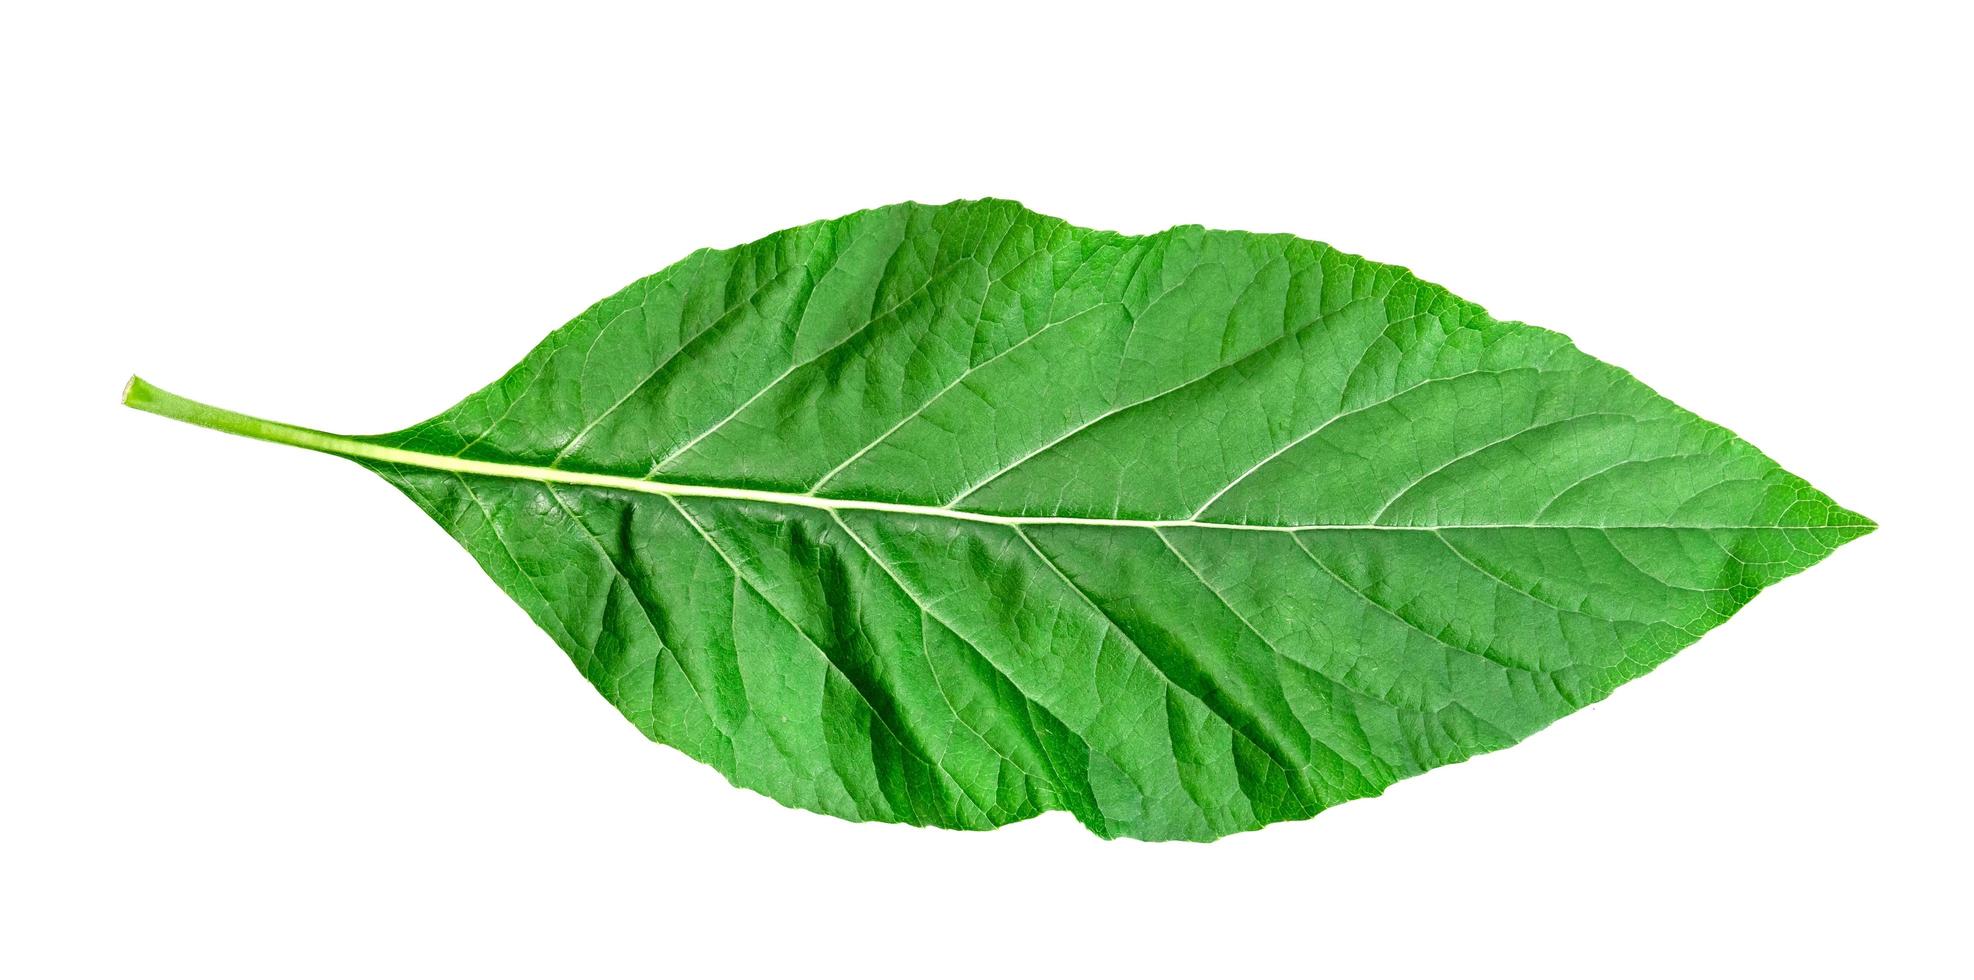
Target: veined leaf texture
[953,515]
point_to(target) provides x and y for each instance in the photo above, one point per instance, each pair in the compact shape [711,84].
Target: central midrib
[143,395]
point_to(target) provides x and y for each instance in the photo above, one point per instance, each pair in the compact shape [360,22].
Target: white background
[259,717]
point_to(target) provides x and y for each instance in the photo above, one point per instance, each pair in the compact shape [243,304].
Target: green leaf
[955,515]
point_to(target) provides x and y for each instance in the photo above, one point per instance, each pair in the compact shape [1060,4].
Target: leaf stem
[145,396]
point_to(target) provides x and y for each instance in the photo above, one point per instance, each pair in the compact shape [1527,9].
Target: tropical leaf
[954,515]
